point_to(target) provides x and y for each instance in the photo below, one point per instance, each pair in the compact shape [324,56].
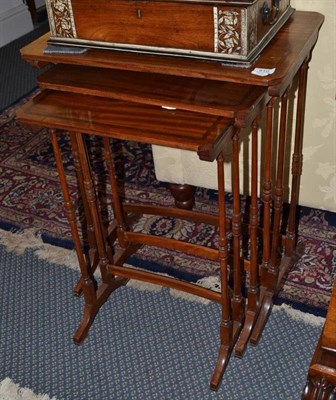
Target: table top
[242,103]
[286,52]
[202,133]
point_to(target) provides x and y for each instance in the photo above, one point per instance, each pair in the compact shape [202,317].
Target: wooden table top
[231,100]
[286,53]
[202,133]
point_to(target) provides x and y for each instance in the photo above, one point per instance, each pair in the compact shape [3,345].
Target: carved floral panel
[228,35]
[60,13]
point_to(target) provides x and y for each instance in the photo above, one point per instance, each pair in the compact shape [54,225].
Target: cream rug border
[18,242]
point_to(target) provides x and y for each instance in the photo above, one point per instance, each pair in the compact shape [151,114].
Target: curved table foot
[250,320]
[222,361]
[265,309]
[91,310]
[229,336]
[89,315]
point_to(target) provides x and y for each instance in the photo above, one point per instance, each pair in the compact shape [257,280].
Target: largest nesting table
[192,105]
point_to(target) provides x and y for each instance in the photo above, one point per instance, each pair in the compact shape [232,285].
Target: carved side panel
[228,38]
[252,27]
[61,20]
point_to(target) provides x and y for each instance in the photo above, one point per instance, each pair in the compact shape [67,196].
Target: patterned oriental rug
[30,197]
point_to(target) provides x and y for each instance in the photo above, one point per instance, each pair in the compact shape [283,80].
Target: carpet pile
[143,345]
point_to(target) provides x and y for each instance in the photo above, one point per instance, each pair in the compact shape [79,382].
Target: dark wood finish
[297,160]
[286,52]
[253,300]
[329,333]
[112,118]
[88,228]
[268,290]
[188,215]
[321,380]
[271,240]
[91,94]
[117,206]
[238,302]
[230,100]
[226,327]
[86,114]
[93,298]
[165,281]
[278,190]
[187,27]
[183,195]
[229,31]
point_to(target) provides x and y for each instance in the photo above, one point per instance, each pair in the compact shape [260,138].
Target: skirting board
[14,23]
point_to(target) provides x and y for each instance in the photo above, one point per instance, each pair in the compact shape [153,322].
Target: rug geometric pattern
[30,196]
[143,345]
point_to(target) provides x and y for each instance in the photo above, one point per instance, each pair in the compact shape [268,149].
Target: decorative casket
[232,31]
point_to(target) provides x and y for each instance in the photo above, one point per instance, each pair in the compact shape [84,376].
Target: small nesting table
[125,96]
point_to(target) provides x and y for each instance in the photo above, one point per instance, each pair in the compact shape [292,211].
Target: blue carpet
[143,345]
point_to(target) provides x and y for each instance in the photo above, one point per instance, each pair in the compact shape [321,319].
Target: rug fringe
[9,390]
[300,316]
[178,294]
[18,242]
[143,286]
[210,282]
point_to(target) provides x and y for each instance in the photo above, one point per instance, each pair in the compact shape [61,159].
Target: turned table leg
[238,301]
[253,302]
[228,330]
[88,229]
[297,161]
[184,195]
[117,208]
[88,286]
[266,236]
[109,282]
[273,270]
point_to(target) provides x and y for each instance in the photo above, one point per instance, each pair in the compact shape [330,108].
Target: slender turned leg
[93,206]
[238,303]
[267,187]
[121,225]
[226,327]
[184,195]
[109,283]
[89,291]
[89,226]
[273,271]
[297,161]
[266,197]
[253,290]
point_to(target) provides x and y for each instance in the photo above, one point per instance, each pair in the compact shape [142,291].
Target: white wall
[15,20]
[318,183]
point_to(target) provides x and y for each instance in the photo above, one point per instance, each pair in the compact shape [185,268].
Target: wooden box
[232,31]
